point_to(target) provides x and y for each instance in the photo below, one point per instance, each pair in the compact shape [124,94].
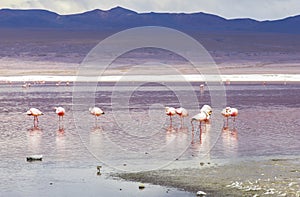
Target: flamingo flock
[60,111]
[229,112]
[203,117]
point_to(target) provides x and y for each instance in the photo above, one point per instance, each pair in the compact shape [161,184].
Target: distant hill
[119,18]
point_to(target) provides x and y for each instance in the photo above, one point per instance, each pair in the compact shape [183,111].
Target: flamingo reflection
[34,139]
[201,146]
[60,142]
[230,140]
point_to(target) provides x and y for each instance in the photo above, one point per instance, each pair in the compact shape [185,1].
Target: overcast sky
[256,9]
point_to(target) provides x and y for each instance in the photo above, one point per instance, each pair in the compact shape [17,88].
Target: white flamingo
[170,111]
[207,109]
[96,111]
[203,116]
[35,113]
[182,112]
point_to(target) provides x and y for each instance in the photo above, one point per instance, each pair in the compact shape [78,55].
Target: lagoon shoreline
[270,177]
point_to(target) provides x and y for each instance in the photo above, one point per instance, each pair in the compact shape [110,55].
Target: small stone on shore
[200,193]
[141,186]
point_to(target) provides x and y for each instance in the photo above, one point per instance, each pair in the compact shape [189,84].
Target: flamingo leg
[171,121]
[193,135]
[35,121]
[200,135]
[234,122]
[227,122]
[192,128]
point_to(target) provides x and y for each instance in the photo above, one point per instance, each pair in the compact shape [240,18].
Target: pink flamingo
[182,113]
[234,113]
[60,111]
[229,112]
[226,113]
[35,113]
[170,111]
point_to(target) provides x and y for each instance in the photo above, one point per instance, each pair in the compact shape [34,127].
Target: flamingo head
[209,112]
[29,113]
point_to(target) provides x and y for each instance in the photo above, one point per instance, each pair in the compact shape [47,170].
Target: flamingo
[233,113]
[170,111]
[60,111]
[226,112]
[229,112]
[35,113]
[96,111]
[182,113]
[207,109]
[203,116]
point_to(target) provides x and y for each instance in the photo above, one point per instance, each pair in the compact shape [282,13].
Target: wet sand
[271,177]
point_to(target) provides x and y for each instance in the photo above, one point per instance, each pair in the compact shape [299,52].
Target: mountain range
[119,18]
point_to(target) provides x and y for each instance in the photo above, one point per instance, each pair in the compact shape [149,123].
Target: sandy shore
[272,177]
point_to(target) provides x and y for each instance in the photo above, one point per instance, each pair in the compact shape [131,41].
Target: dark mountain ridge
[119,18]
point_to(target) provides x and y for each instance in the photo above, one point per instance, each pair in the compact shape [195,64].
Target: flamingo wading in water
[233,113]
[226,113]
[182,113]
[229,112]
[203,116]
[35,113]
[170,111]
[60,111]
[96,111]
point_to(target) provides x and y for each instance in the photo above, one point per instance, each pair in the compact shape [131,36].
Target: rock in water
[34,158]
[141,186]
[201,193]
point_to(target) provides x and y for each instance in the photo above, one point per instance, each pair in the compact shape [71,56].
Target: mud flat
[272,177]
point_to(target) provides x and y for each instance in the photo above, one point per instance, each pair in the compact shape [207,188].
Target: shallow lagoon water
[268,125]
